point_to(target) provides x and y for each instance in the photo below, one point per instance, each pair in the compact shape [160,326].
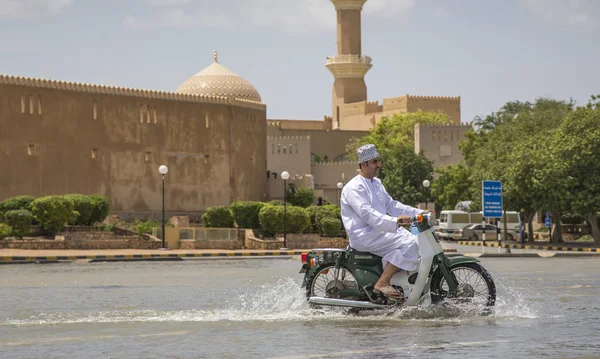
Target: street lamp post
[340,185]
[285,175]
[426,184]
[163,171]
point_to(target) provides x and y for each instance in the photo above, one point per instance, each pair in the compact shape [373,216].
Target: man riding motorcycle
[364,206]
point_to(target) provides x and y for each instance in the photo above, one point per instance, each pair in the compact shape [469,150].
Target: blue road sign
[548,220]
[491,193]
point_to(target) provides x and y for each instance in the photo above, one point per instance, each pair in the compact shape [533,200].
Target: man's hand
[403,221]
[428,211]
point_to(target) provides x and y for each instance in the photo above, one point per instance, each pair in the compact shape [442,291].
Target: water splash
[283,300]
[514,304]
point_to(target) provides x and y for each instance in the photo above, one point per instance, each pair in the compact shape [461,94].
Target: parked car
[474,232]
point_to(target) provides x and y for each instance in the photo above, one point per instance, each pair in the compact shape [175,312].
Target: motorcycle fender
[305,268]
[461,259]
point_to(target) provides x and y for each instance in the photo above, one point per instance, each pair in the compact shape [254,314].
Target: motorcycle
[346,277]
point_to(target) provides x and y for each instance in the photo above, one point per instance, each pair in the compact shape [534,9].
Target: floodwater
[255,308]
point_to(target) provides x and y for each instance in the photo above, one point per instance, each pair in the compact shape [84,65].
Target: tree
[577,146]
[452,185]
[403,172]
[501,147]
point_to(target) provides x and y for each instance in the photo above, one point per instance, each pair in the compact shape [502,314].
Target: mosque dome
[218,80]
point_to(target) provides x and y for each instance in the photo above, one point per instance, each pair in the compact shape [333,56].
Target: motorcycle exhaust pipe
[345,303]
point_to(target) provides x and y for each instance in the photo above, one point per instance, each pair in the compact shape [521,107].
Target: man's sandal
[389,291]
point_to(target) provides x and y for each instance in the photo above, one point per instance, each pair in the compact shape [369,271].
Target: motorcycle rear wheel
[323,283]
[475,285]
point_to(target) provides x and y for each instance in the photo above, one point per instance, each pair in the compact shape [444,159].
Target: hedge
[271,219]
[218,217]
[246,213]
[15,203]
[20,220]
[330,227]
[100,209]
[5,230]
[328,211]
[53,212]
[84,207]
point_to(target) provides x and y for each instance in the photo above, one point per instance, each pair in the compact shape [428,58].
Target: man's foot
[389,291]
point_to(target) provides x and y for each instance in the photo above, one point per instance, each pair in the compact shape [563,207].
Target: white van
[452,223]
[513,221]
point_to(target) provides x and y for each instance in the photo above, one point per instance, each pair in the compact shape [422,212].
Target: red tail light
[303,257]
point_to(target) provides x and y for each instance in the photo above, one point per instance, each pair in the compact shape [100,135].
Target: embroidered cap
[367,153]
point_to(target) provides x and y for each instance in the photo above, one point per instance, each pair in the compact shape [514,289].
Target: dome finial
[216,56]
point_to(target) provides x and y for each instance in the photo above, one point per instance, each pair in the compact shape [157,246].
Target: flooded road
[255,308]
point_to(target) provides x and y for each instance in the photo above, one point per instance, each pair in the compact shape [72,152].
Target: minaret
[348,67]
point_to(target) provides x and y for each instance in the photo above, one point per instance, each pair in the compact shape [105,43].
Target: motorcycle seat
[359,253]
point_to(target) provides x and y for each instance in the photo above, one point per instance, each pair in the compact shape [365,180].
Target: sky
[488,52]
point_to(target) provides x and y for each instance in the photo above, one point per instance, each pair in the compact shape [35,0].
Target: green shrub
[301,197]
[246,213]
[276,202]
[5,230]
[218,217]
[328,211]
[271,219]
[100,209]
[20,221]
[53,212]
[14,203]
[312,211]
[84,206]
[145,227]
[330,227]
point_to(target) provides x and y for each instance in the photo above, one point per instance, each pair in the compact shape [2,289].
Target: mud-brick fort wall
[440,142]
[59,138]
[362,116]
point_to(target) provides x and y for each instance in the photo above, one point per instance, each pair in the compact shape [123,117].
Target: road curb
[520,246]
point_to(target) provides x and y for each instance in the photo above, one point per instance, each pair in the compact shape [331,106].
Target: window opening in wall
[95,110]
[39,104]
[94,153]
[22,104]
[206,158]
[452,136]
[272,148]
[147,113]
[290,148]
[278,148]
[142,114]
[148,155]
[337,117]
[284,149]
[445,135]
[155,119]
[206,118]
[31,150]
[296,148]
[433,133]
[31,104]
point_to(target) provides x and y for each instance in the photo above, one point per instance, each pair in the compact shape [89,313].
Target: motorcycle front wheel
[475,287]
